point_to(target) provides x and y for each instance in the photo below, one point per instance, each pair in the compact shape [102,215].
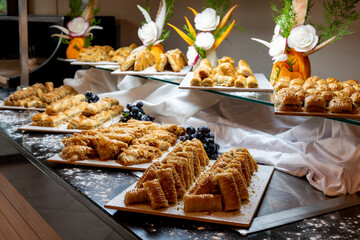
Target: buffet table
[287,201]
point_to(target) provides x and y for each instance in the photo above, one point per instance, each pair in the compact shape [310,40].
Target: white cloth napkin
[327,152]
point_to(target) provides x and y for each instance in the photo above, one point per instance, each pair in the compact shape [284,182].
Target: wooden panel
[355,116]
[264,85]
[14,217]
[6,230]
[27,212]
[242,218]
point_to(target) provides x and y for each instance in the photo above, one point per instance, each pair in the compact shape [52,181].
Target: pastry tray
[2,106]
[152,71]
[107,164]
[264,85]
[318,114]
[62,128]
[242,218]
[94,63]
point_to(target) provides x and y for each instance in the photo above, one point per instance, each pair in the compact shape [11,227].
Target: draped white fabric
[327,152]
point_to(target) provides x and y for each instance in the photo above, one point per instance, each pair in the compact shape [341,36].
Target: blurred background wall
[339,60]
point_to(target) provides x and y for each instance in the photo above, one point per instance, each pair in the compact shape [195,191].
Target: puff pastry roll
[196,80]
[226,69]
[179,187]
[249,155]
[251,82]
[204,69]
[229,191]
[207,82]
[137,195]
[226,60]
[178,168]
[167,182]
[341,105]
[149,174]
[206,183]
[240,183]
[78,153]
[131,156]
[109,148]
[203,157]
[81,140]
[156,194]
[203,203]
[240,81]
[244,69]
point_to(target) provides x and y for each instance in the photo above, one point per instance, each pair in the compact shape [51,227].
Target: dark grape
[211,135]
[88,94]
[139,115]
[192,136]
[135,110]
[139,104]
[199,135]
[145,118]
[183,138]
[152,118]
[209,140]
[190,130]
[211,147]
[205,146]
[217,147]
[213,156]
[129,106]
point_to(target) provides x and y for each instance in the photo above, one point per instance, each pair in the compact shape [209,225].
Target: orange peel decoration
[193,10]
[224,35]
[191,29]
[226,17]
[182,35]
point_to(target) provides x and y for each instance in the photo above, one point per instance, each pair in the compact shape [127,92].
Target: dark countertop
[287,201]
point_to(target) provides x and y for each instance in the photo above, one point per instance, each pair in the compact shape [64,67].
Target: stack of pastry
[225,74]
[61,111]
[317,95]
[38,95]
[119,56]
[95,114]
[174,60]
[129,143]
[166,181]
[139,60]
[95,53]
[224,185]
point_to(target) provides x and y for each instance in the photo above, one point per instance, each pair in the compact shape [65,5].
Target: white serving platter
[242,218]
[264,85]
[152,71]
[94,63]
[2,106]
[62,128]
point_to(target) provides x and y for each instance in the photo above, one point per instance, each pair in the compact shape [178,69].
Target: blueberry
[209,140]
[139,104]
[129,106]
[135,110]
[190,130]
[183,138]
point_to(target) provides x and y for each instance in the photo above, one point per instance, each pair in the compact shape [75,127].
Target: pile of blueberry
[207,138]
[135,111]
[91,97]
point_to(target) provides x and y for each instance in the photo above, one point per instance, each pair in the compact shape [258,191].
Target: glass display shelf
[265,98]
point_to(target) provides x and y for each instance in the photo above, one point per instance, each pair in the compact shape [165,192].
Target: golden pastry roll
[315,103]
[167,183]
[226,60]
[156,194]
[240,81]
[202,203]
[196,80]
[223,80]
[341,105]
[251,82]
[229,192]
[208,82]
[204,69]
[161,63]
[38,118]
[240,182]
[75,122]
[64,104]
[244,69]
[137,195]
[78,153]
[49,86]
[75,110]
[104,104]
[33,101]
[226,69]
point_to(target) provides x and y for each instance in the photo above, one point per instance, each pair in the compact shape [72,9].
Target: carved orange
[157,50]
[297,66]
[74,48]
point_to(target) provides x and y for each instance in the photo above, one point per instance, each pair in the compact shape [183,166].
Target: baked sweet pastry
[341,105]
[315,103]
[288,101]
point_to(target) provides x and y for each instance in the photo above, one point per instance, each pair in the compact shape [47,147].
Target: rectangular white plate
[2,106]
[318,114]
[264,85]
[62,128]
[94,63]
[242,218]
[152,71]
[107,164]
